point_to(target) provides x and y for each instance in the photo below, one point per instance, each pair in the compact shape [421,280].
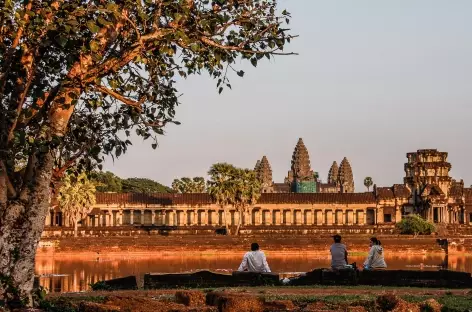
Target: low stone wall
[57,232]
[395,278]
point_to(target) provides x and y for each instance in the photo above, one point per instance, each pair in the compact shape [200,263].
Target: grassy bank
[355,299]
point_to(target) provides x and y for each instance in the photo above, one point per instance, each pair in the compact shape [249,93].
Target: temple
[301,200]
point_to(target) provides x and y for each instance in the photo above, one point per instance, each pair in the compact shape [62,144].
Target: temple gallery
[301,200]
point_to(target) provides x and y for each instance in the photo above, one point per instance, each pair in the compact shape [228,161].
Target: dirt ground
[261,299]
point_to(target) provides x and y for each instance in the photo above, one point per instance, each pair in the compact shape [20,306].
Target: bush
[416,225]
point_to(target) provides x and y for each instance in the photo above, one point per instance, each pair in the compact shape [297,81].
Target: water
[76,273]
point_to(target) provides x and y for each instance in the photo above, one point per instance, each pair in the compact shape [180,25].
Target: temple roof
[301,166]
[333,173]
[432,190]
[205,199]
[264,172]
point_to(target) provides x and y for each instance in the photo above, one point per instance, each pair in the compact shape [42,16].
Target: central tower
[301,178]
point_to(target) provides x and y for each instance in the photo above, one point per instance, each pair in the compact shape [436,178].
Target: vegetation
[368,182]
[143,185]
[414,224]
[78,78]
[188,185]
[236,187]
[76,198]
[109,182]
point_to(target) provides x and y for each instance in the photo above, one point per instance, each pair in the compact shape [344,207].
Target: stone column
[277,217]
[153,217]
[185,221]
[329,217]
[398,214]
[98,220]
[344,219]
[195,217]
[131,216]
[380,215]
[323,217]
[142,217]
[365,216]
[261,212]
[119,216]
[236,217]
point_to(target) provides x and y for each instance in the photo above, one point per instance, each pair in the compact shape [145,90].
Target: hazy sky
[373,81]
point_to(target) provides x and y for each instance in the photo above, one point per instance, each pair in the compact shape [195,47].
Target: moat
[75,272]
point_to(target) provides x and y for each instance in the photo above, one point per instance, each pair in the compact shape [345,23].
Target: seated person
[375,260]
[254,261]
[338,254]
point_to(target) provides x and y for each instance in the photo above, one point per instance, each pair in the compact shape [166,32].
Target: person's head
[337,238]
[254,246]
[374,241]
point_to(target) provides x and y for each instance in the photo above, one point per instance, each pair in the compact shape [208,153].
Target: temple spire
[345,177]
[264,174]
[301,167]
[333,173]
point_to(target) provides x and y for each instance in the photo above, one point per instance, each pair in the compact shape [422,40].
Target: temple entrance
[436,215]
[370,216]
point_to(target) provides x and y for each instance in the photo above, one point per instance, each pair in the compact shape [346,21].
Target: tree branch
[11,192]
[120,97]
[215,44]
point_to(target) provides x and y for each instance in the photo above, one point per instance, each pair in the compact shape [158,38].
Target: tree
[76,198]
[78,77]
[368,182]
[222,187]
[143,185]
[107,182]
[414,224]
[248,192]
[188,185]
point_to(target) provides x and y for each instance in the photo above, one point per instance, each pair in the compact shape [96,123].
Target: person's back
[338,253]
[254,261]
[375,260]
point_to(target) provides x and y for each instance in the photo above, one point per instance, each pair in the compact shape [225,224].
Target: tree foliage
[143,185]
[76,198]
[368,182]
[189,185]
[414,224]
[107,182]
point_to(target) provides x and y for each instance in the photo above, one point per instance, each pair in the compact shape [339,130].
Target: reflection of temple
[303,199]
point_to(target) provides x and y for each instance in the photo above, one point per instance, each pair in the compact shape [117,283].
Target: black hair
[254,246]
[337,238]
[375,241]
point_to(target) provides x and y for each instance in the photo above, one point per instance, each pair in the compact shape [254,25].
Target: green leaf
[62,41]
[93,27]
[254,62]
[240,73]
[94,45]
[220,90]
[154,145]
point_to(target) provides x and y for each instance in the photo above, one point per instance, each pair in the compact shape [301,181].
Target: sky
[373,80]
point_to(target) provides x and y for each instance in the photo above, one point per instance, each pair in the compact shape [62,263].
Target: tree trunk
[239,222]
[76,227]
[21,224]
[225,211]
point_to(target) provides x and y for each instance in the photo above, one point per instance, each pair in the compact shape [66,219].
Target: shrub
[416,225]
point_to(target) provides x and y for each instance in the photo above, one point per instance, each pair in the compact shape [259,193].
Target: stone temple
[302,200]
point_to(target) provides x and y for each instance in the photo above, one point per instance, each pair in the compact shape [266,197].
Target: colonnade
[216,217]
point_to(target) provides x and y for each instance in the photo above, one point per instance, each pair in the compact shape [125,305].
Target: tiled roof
[153,199]
[204,199]
[456,189]
[384,193]
[401,191]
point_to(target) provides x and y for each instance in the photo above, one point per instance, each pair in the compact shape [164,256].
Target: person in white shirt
[375,260]
[254,261]
[338,254]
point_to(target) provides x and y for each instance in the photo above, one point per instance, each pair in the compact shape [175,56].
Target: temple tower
[256,167]
[264,175]
[301,178]
[427,167]
[333,173]
[345,177]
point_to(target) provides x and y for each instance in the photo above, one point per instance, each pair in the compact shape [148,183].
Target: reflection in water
[62,274]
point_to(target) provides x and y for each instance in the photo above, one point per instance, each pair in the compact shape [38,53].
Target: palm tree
[76,198]
[221,186]
[368,182]
[248,191]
